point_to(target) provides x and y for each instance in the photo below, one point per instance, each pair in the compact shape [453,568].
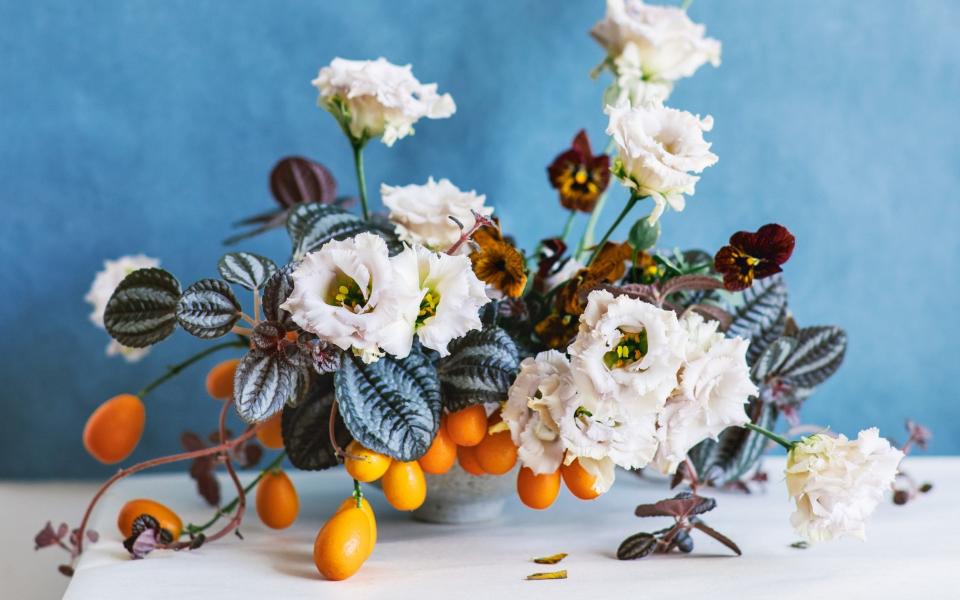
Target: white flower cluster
[375,98]
[641,386]
[837,483]
[353,294]
[104,284]
[421,213]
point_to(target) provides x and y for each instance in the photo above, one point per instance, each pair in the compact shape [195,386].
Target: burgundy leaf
[141,544]
[714,312]
[252,453]
[297,180]
[680,506]
[93,536]
[62,530]
[690,282]
[191,442]
[46,537]
[66,570]
[698,524]
[326,357]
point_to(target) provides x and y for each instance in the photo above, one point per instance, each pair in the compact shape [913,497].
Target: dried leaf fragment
[562,574]
[550,560]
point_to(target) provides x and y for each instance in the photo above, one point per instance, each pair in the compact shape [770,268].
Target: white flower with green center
[421,213]
[714,386]
[104,284]
[837,483]
[449,295]
[631,85]
[378,99]
[626,355]
[347,293]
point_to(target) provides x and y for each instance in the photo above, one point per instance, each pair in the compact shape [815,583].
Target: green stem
[226,510]
[685,4]
[568,225]
[361,179]
[634,198]
[357,493]
[771,435]
[587,240]
[175,369]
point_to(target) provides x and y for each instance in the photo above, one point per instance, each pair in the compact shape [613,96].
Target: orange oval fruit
[364,464]
[343,544]
[496,453]
[365,507]
[114,428]
[277,501]
[166,518]
[442,453]
[579,482]
[538,491]
[220,379]
[270,435]
[467,457]
[404,485]
[467,427]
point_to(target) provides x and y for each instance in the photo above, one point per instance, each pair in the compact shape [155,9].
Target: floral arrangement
[409,342]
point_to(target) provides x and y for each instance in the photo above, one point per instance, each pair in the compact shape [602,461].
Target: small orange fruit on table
[538,491]
[277,501]
[467,427]
[404,485]
[114,428]
[364,464]
[168,520]
[220,379]
[442,453]
[579,482]
[343,544]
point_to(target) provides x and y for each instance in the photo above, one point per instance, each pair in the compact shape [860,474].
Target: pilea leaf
[762,317]
[208,309]
[246,269]
[143,308]
[306,428]
[817,355]
[275,292]
[774,356]
[391,406]
[480,368]
[637,546]
[264,382]
[312,225]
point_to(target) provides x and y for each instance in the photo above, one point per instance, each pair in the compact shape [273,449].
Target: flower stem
[771,435]
[587,240]
[357,493]
[568,225]
[361,180]
[175,369]
[634,198]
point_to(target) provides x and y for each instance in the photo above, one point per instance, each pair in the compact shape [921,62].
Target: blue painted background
[135,126]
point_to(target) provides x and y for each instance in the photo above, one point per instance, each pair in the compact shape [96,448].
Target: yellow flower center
[631,348]
[428,306]
[346,292]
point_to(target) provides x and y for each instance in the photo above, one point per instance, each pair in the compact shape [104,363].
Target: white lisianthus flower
[670,46]
[714,386]
[347,293]
[659,149]
[631,85]
[837,483]
[104,284]
[542,390]
[421,213]
[628,440]
[450,295]
[626,355]
[375,98]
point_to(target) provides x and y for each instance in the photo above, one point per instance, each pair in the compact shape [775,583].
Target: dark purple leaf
[690,282]
[93,536]
[700,525]
[326,357]
[681,506]
[66,570]
[141,544]
[637,546]
[46,537]
[191,442]
[297,180]
[252,453]
[197,541]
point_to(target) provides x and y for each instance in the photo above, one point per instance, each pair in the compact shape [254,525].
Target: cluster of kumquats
[480,443]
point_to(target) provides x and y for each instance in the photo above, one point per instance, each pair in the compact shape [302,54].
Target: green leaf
[246,269]
[306,428]
[208,309]
[312,225]
[480,368]
[391,406]
[264,382]
[817,355]
[276,290]
[143,308]
[643,235]
[762,318]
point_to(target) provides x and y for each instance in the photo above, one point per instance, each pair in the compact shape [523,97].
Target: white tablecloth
[912,551]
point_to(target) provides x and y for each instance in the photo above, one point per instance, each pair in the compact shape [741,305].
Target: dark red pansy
[579,176]
[755,255]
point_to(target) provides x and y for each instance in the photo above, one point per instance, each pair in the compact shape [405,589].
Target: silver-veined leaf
[762,317]
[246,269]
[143,308]
[275,292]
[772,359]
[312,225]
[208,309]
[391,406]
[264,382]
[306,428]
[737,450]
[817,355]
[480,368]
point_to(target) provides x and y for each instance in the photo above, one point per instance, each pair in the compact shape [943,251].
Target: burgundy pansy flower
[579,176]
[754,255]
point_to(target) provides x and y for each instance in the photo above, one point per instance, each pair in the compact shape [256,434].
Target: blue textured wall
[134,126]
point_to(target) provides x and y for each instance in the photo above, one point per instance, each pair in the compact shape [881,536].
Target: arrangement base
[453,512]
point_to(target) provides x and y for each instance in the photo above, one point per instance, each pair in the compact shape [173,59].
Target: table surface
[912,551]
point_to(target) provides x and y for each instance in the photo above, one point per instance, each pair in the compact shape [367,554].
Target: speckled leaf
[638,545]
[762,317]
[818,354]
[312,225]
[772,360]
[275,292]
[480,368]
[208,309]
[391,406]
[306,428]
[143,308]
[264,382]
[246,269]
